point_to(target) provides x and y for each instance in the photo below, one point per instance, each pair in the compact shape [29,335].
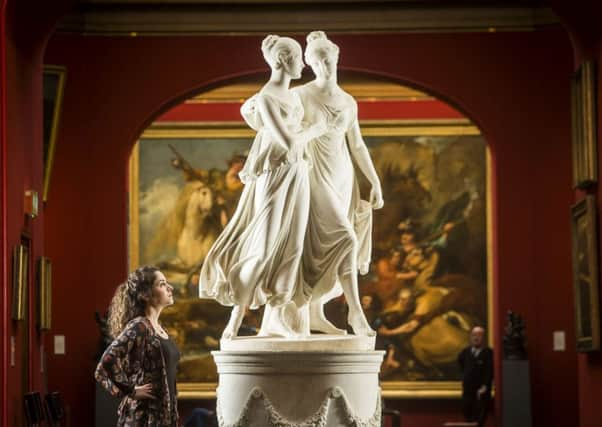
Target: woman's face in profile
[162,291]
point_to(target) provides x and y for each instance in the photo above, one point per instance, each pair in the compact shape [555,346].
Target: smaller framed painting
[53,87]
[20,277]
[585,274]
[44,274]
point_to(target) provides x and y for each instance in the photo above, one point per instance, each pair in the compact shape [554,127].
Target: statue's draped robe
[338,239]
[256,259]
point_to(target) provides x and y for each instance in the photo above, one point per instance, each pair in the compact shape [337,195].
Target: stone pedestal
[516,399]
[321,381]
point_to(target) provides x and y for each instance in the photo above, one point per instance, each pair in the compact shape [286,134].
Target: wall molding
[145,18]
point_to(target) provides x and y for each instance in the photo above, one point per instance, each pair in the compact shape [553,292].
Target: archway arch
[408,179]
[254,74]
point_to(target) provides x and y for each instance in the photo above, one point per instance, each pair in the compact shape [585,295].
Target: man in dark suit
[476,362]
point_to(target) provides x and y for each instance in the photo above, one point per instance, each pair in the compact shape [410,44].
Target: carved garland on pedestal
[318,419]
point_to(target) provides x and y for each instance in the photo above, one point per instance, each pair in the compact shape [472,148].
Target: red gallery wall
[424,109]
[582,23]
[587,40]
[23,39]
[590,365]
[513,85]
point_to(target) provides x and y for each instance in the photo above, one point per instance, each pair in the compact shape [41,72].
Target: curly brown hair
[130,298]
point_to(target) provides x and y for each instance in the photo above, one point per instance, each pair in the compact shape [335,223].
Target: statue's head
[321,55]
[283,53]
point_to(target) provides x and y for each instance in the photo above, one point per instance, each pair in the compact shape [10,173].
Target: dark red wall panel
[23,39]
[368,110]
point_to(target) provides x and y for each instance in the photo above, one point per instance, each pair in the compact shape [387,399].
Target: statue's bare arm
[360,154]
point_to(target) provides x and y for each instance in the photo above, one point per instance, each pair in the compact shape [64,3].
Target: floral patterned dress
[135,358]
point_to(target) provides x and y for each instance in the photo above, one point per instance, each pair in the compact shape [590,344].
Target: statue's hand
[376,197]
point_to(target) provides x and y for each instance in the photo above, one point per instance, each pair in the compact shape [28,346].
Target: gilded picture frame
[412,136]
[20,276]
[53,88]
[44,281]
[584,126]
[585,274]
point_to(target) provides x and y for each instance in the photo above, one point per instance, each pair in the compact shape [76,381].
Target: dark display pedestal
[516,398]
[105,408]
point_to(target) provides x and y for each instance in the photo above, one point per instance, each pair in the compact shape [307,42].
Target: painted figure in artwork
[256,260]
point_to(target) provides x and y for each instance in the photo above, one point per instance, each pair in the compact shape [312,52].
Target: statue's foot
[278,322]
[228,334]
[324,326]
[318,321]
[234,323]
[285,335]
[360,325]
[279,330]
[279,333]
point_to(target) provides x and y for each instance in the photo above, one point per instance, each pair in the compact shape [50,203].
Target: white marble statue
[256,259]
[300,232]
[298,237]
[339,232]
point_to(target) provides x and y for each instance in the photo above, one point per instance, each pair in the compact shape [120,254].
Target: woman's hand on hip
[143,392]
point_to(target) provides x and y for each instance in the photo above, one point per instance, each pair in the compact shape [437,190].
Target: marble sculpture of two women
[300,232]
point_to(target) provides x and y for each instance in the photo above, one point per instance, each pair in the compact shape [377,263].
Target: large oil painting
[428,284]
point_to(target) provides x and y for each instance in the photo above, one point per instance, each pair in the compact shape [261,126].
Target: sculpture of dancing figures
[339,233]
[256,259]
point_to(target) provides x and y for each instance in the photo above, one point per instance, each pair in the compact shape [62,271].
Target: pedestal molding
[318,419]
[297,363]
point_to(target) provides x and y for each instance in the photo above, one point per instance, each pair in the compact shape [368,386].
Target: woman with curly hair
[140,364]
